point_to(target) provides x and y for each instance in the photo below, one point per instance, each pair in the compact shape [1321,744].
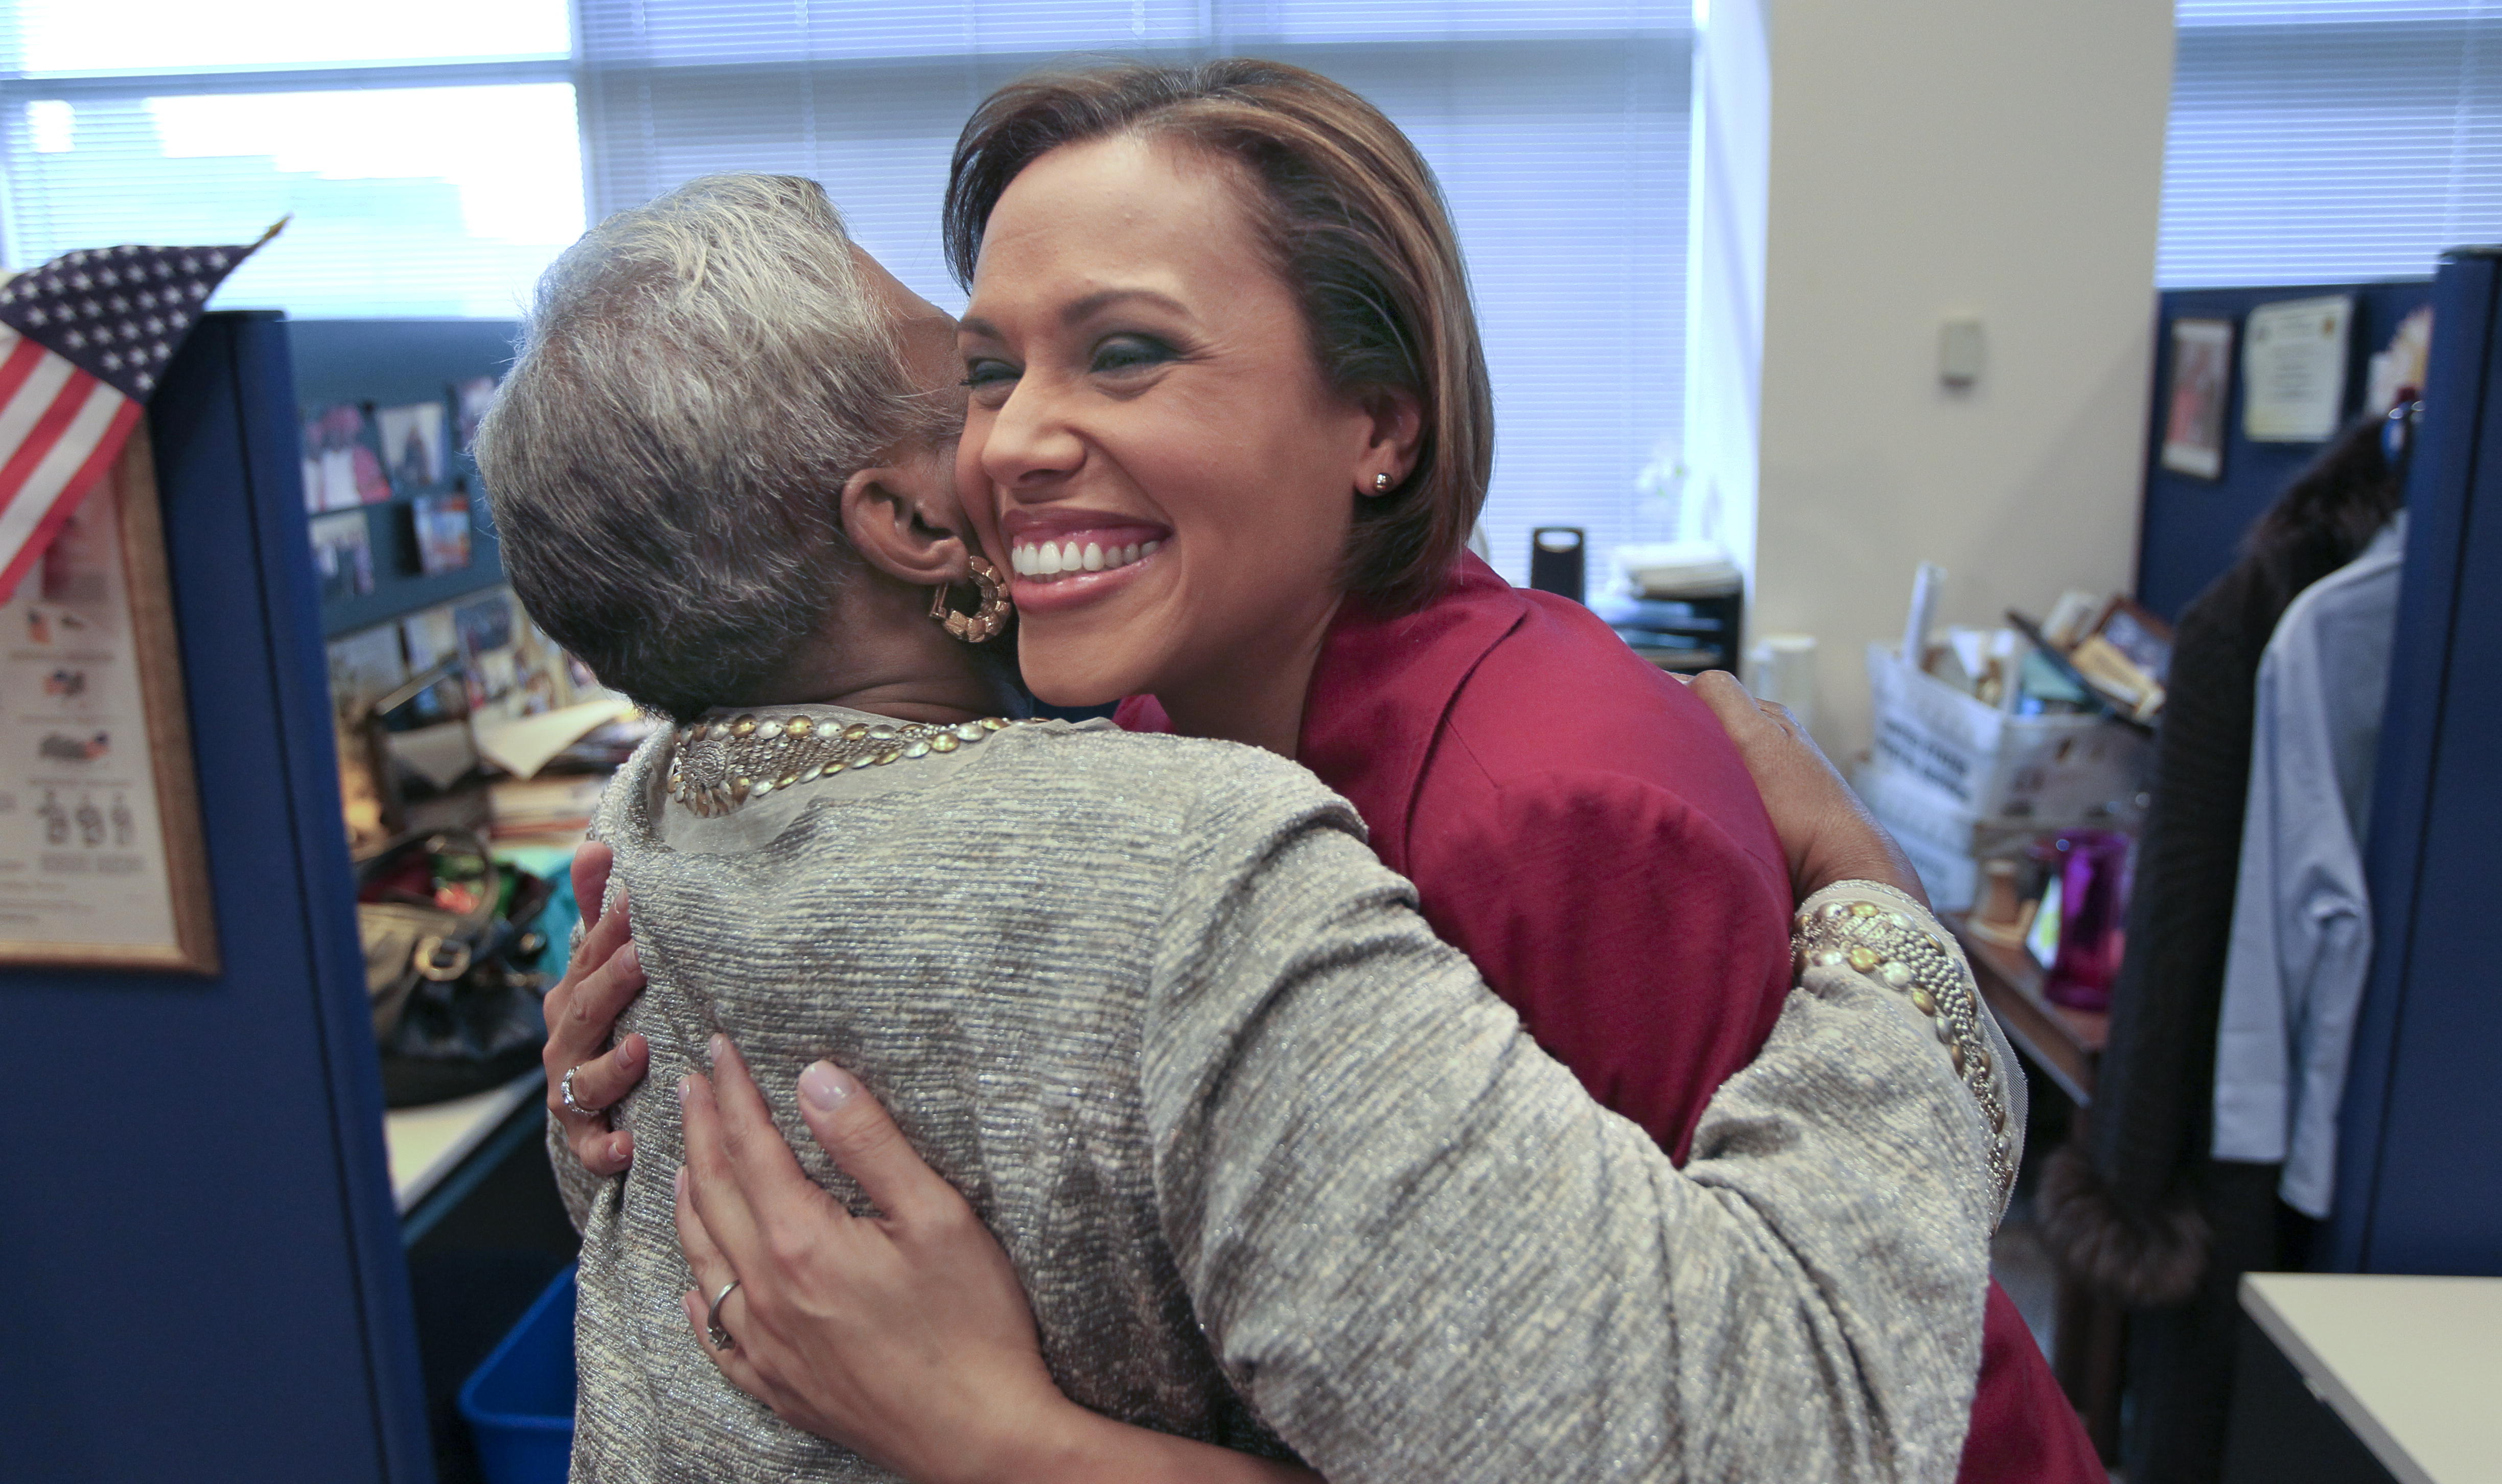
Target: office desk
[484,1230]
[2368,1377]
[429,1144]
[2064,1043]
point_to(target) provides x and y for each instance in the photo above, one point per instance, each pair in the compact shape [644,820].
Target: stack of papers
[523,745]
[558,805]
[1673,569]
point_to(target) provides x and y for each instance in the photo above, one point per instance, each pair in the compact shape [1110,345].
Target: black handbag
[450,956]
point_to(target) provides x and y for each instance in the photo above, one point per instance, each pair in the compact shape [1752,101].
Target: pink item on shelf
[2093,900]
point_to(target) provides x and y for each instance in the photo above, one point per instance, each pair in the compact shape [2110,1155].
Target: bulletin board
[2196,509]
[387,405]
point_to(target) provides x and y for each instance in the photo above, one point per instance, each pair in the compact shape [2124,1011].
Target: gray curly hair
[696,381]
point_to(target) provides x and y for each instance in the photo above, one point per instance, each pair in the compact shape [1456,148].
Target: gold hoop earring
[986,622]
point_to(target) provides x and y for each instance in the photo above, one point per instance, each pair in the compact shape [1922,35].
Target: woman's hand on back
[604,976]
[904,1337]
[1827,833]
[829,1328]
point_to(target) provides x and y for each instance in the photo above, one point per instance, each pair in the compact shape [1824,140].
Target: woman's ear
[896,523]
[1398,431]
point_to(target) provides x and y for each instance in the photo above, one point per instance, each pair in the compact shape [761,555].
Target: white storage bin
[1945,844]
[1910,808]
[1994,768]
[1951,878]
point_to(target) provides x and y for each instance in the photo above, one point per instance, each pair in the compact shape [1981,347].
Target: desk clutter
[471,748]
[469,744]
[465,716]
[2012,764]
[1681,605]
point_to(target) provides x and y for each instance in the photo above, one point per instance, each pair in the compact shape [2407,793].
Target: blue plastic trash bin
[519,1402]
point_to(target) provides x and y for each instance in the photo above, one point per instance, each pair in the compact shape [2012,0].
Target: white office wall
[1727,178]
[1926,159]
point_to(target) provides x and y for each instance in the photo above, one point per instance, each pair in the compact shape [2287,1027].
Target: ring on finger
[565,1091]
[722,1340]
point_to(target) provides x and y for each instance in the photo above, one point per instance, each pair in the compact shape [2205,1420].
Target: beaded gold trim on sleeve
[722,764]
[1885,944]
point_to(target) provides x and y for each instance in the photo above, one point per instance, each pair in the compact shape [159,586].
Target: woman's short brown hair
[1358,231]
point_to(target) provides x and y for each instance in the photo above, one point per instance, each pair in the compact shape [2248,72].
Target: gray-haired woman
[1275,1170]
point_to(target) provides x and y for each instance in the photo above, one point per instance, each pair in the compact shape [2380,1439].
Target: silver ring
[722,1340]
[565,1091]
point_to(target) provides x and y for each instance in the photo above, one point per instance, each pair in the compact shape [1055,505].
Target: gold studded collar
[724,762]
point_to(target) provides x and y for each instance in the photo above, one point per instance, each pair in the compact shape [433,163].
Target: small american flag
[82,342]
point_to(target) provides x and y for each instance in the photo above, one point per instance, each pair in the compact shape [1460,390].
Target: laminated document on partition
[2293,369]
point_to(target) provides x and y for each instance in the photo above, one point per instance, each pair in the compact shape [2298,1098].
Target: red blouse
[1579,824]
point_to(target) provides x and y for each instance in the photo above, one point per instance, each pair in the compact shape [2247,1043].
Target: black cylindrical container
[1555,561]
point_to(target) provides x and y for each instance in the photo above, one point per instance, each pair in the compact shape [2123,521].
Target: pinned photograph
[343,461]
[484,626]
[2194,423]
[412,439]
[472,397]
[432,638]
[364,666]
[343,554]
[443,532]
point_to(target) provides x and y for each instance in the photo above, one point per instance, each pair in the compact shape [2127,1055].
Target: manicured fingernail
[678,1183]
[630,957]
[714,1048]
[826,1086]
[686,1089]
[622,1147]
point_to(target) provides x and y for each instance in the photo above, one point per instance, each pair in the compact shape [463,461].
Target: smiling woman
[1251,1140]
[1222,309]
[1142,379]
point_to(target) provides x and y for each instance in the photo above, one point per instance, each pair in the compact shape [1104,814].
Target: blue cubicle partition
[2191,528]
[204,1272]
[2419,1147]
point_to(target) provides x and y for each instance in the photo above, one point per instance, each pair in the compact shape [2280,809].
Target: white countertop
[2412,1365]
[429,1143]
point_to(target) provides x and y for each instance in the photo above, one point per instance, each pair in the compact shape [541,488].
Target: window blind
[432,169]
[1559,133]
[2323,141]
[435,169]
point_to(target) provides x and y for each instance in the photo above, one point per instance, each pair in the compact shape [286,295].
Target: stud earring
[986,622]
[1381,483]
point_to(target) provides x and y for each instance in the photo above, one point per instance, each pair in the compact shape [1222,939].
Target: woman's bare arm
[1827,833]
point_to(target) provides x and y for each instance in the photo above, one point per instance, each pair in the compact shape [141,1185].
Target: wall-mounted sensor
[1959,352]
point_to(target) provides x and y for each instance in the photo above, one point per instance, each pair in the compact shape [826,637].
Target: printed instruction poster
[82,848]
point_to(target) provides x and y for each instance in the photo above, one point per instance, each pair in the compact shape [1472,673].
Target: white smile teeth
[1053,559]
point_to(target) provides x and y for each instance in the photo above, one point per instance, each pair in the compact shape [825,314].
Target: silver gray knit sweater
[1276,1170]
